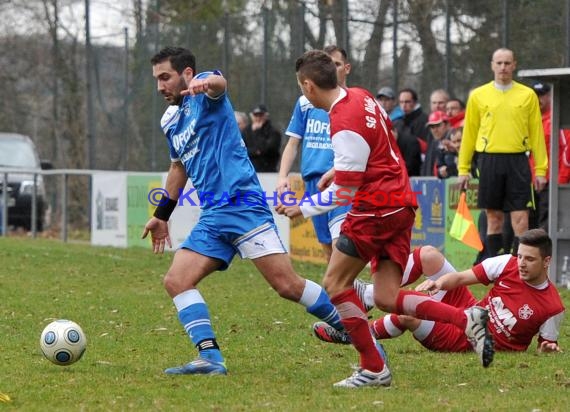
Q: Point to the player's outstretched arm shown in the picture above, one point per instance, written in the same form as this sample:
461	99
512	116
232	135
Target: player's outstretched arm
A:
448	282
213	85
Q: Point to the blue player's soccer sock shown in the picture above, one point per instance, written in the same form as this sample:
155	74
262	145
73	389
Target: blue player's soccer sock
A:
318	303
194	317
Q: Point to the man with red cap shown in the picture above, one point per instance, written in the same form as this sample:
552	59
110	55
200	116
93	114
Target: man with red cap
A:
438	124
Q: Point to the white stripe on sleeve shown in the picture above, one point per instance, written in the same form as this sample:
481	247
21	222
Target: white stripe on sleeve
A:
351	151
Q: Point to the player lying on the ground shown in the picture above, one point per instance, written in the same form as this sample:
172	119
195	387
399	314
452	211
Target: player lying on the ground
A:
522	302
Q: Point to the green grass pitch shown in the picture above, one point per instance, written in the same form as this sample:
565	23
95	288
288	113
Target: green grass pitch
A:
274	363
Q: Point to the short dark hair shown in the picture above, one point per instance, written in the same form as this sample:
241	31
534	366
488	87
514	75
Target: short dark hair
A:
455	130
330	49
461	103
316	65
411	91
537	238
179	57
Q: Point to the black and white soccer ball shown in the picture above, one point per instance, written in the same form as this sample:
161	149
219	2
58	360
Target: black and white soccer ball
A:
63	342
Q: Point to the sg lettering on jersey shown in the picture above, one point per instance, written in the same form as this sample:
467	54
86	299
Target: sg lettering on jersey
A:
370	107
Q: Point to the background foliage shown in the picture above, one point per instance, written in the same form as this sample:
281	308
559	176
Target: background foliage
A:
94	105
255	42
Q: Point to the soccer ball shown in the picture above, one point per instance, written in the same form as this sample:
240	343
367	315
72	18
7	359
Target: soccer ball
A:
63	342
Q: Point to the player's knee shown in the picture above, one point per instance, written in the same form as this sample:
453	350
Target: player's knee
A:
174	285
385	302
428	252
431	259
334	285
287	292
328	284
167	280
288	287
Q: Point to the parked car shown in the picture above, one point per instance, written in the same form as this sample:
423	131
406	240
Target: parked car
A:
19	152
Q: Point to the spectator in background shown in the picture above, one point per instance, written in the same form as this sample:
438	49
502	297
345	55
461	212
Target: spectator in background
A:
437	100
439	128
242	121
502	123
446	162
542	90
409	148
387	99
263	141
455	110
414	120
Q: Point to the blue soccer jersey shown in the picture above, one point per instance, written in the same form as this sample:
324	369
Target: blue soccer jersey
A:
203	134
312	126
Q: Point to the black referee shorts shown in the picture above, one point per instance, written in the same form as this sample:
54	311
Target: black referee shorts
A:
505	181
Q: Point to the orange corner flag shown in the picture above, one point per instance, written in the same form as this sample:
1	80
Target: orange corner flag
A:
463	228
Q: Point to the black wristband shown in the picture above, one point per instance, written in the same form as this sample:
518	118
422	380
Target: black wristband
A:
165	208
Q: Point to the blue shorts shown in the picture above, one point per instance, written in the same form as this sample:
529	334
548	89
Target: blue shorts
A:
327	225
245	229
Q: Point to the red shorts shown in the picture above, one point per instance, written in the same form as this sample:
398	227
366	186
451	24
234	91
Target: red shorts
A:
381	238
409	276
446	337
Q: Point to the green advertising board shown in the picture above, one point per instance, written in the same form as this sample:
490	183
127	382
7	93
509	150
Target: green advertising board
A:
139	209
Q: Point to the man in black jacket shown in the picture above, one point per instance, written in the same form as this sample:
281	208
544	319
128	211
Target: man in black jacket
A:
412	131
415	119
263	141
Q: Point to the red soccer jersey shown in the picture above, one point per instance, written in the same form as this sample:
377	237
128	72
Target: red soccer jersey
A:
366	154
517	310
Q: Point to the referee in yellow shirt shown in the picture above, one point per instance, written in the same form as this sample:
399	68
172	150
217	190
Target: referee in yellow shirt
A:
502	124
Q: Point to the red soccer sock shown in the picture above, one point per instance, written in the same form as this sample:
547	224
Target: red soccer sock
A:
423	307
354	319
387	327
417	270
